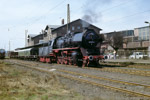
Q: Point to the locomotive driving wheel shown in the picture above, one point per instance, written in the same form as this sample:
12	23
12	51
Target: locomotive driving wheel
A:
77	59
79	63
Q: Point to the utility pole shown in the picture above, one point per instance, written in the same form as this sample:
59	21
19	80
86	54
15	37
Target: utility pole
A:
149	38
9	45
149	30
9	49
68	17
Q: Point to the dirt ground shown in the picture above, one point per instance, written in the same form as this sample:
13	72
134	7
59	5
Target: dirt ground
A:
25	84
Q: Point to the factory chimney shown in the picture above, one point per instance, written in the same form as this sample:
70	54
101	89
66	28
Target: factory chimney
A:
68	13
68	17
26	42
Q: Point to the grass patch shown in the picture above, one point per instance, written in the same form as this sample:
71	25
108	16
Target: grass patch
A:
24	84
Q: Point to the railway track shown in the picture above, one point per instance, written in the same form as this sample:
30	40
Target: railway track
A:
127	71
127	66
103	78
92	76
139	66
117	70
95	83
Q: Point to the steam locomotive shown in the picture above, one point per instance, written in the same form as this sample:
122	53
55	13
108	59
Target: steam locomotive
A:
2	53
79	48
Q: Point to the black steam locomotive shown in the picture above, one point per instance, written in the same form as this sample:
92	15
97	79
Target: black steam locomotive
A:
79	48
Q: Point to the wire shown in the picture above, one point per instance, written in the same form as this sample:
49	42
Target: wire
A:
130	26
41	4
108	8
129	15
39	18
116	6
47	12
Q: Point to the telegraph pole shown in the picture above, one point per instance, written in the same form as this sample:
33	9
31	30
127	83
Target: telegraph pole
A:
9	49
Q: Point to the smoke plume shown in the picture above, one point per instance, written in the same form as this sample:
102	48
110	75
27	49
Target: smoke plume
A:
90	10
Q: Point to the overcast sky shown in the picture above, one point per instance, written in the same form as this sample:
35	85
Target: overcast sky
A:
16	16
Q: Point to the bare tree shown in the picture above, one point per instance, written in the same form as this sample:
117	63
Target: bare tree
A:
115	41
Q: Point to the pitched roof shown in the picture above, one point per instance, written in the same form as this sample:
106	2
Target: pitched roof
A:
52	26
83	21
142	27
55	27
32	35
48	26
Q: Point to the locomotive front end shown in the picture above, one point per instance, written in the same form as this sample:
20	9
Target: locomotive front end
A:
91	42
90	39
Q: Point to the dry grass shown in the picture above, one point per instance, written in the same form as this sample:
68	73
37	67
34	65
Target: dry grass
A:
17	84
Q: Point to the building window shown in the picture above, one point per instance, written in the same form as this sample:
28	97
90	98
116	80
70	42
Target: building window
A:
144	38
78	27
147	37
140	30
148	29
73	28
144	33
147	33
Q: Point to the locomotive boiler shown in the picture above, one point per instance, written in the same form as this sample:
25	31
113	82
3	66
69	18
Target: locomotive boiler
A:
87	39
82	47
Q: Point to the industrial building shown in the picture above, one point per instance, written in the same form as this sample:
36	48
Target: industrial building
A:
52	31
